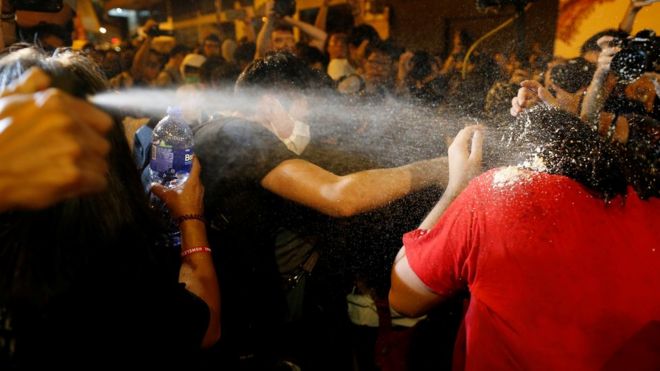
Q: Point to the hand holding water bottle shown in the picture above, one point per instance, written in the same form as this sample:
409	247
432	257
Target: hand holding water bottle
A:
188	199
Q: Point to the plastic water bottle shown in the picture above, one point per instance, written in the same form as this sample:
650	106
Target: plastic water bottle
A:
171	161
171	150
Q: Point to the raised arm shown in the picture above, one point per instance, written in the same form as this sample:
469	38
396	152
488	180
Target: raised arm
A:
263	39
408	294
322	17
343	196
318	35
197	270
602	83
142	55
631	13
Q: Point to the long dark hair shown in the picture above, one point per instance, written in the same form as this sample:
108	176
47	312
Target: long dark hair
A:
43	253
568	146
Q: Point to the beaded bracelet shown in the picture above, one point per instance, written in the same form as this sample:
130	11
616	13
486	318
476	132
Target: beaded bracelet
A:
193	250
185	217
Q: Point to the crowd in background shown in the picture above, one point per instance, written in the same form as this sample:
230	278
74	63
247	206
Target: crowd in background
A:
303	218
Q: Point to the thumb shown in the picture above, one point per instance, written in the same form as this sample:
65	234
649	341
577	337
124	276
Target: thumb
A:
158	190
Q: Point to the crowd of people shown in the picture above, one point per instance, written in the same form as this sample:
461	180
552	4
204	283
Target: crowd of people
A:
291	219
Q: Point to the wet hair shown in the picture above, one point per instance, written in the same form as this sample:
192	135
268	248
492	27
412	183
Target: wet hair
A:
361	33
571	148
573	75
592	43
282	71
79	236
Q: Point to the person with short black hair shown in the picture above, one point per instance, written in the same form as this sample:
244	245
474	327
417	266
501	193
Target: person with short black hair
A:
211	46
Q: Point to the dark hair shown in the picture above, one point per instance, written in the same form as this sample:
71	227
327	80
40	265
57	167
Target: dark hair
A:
466	38
383	47
422	65
310	54
77	236
592	43
571	148
178	50
245	52
573	75
212	37
282	27
282	71
362	32
217	72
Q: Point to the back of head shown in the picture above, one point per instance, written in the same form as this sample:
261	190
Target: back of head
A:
77	231
217	72
282	72
361	33
244	52
557	142
573	75
422	65
591	45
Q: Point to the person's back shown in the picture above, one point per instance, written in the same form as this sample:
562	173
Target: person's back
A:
558	278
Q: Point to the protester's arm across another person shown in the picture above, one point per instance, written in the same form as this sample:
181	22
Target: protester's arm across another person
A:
53	145
342	196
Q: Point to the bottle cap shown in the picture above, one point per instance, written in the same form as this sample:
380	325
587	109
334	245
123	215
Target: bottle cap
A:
174	111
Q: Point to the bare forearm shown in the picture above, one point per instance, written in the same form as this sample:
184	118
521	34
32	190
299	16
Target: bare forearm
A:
367	190
198	273
432	219
140	59
322	17
596	95
263	39
315	33
629	18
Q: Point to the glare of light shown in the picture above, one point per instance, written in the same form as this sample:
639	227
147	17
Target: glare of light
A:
120	10
102	30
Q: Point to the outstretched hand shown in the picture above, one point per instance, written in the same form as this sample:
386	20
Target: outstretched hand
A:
465	157
187	198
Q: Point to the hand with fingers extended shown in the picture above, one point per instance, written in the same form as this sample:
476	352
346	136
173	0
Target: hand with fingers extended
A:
465	157
53	145
186	199
531	93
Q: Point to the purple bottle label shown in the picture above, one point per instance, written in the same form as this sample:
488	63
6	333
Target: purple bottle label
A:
166	160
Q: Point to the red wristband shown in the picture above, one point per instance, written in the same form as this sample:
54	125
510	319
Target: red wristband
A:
193	250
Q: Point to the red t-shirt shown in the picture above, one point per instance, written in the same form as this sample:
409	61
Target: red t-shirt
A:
559	280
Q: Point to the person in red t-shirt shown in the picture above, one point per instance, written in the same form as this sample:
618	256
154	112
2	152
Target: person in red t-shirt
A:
562	264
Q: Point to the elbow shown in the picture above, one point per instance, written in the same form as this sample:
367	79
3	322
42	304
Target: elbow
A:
404	308
211	337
